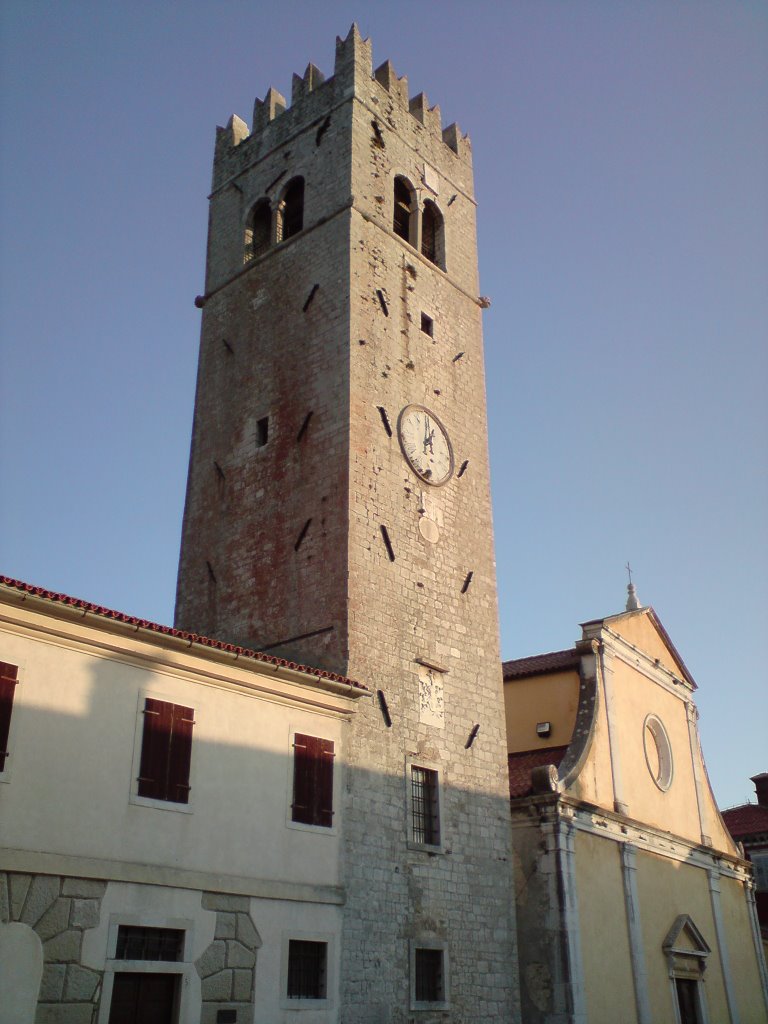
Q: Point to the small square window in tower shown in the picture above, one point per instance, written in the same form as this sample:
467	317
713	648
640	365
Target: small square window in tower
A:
307	962
427	325
425	805
262	431
312	781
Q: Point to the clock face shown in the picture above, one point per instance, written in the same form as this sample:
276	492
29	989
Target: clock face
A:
425	444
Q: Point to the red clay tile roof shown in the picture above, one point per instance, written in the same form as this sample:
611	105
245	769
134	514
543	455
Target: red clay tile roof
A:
746	820
192	638
553	662
522	763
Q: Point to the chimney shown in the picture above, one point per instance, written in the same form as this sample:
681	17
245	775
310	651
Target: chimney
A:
761	788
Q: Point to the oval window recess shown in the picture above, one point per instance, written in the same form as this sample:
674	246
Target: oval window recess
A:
658	752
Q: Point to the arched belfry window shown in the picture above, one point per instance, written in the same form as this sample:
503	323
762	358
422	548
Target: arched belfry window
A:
258	229
432	234
403	223
290	212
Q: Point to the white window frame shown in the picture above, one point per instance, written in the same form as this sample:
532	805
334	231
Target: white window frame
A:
413	761
329	940
429	943
138	737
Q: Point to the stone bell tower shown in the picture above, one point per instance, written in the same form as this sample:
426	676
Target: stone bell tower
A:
338	508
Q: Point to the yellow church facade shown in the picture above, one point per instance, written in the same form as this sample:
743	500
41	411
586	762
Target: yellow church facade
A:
620	851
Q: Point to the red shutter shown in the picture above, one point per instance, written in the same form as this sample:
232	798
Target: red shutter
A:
180	755
303	759
312	780
8	680
166	751
324	807
155	744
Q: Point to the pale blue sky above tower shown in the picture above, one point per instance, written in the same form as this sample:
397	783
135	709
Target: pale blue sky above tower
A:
621	162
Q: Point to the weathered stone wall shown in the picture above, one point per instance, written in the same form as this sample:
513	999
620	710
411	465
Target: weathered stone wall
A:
59	910
417	607
227	966
346	350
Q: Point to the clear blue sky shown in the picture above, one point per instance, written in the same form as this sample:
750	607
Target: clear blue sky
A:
621	164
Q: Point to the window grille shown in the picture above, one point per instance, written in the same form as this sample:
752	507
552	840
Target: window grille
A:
136	943
429	976
306	969
424	798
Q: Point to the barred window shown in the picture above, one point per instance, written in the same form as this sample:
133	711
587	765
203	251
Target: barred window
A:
429	976
307	962
137	943
425	806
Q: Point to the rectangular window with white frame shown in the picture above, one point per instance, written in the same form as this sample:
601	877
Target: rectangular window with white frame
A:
307	971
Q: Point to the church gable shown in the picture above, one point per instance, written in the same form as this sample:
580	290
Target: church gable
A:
643	629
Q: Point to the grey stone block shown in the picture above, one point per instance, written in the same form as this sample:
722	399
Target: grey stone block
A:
217	987
81	983
85	913
54	920
212	960
64	1013
42	892
223	901
239	956
52	983
63	948
246	932
88	888
241	989
19	887
225	925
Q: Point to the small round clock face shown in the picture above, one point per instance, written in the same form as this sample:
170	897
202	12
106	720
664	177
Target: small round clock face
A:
425	444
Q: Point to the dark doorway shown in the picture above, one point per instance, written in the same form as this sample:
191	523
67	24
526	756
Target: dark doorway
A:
144	999
688	1000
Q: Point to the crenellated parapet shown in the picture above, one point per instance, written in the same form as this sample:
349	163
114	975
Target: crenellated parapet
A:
313	95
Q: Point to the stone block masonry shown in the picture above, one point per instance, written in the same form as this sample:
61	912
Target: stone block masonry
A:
323	545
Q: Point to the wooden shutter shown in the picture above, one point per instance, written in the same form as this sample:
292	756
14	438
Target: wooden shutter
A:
166	751
180	754
312	780
303	758
155	745
324	806
8	680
